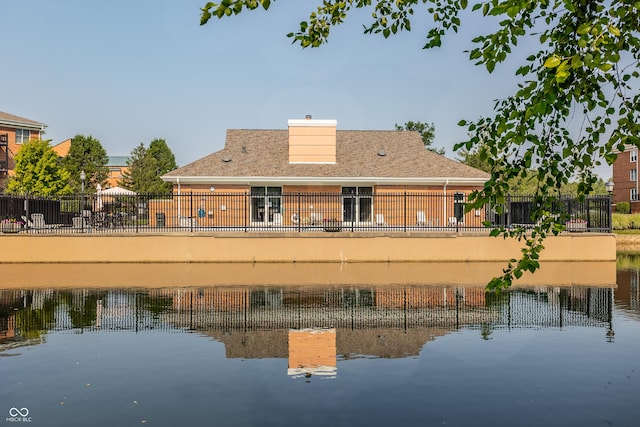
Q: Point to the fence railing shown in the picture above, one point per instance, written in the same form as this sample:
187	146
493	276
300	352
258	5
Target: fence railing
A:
286	212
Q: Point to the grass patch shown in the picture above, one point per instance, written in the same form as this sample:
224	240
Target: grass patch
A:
625	222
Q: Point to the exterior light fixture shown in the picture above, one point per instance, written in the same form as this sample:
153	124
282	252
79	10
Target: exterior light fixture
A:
609	186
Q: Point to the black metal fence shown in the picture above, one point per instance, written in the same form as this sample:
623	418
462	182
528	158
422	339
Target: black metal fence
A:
287	212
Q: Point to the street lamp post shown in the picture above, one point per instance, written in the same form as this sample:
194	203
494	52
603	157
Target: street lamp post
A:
609	186
83	176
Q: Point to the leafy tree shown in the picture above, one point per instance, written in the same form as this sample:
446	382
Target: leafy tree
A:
141	174
38	172
427	132
526	183
86	154
577	100
474	159
159	150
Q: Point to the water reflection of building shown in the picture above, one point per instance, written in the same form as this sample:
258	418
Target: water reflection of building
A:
628	292
393	321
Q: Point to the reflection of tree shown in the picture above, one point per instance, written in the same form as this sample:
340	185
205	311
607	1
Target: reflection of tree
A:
155	305
496	299
82	308
34	322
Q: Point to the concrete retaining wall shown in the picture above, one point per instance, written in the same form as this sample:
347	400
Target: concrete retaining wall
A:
287	248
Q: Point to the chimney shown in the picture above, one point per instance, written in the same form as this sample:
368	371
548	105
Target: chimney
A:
312	141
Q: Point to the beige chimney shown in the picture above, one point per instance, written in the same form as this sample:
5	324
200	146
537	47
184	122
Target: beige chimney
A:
312	141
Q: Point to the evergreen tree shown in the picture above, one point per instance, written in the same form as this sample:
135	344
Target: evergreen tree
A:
159	150
141	174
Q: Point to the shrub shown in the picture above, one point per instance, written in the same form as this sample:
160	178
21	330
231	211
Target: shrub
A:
623	207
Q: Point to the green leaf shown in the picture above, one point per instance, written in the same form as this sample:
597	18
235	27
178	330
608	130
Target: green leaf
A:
552	62
605	67
615	31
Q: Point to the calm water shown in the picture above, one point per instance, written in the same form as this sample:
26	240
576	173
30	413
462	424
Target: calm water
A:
397	355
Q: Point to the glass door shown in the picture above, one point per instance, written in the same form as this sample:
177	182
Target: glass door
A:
357	204
266	204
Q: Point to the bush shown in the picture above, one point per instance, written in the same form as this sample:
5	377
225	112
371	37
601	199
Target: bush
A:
623	207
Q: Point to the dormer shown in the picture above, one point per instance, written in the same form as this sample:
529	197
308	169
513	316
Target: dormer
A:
312	141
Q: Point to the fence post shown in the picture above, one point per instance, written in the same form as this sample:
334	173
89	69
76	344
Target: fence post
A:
404	208
610	201
26	209
299	216
191	211
353	210
136	207
246	212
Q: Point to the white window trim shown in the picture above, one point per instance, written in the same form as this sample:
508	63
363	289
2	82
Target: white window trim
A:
22	132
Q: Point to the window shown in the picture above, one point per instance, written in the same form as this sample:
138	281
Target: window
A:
22	136
633	155
633	175
633	194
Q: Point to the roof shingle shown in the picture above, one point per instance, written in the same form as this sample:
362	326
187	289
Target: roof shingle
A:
11	118
264	153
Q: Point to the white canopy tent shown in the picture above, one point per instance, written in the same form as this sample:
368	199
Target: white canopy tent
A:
118	191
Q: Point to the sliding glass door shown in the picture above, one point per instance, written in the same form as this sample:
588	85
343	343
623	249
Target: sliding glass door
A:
357	204
266	205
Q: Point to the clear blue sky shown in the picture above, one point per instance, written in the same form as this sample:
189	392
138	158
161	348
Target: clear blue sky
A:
127	72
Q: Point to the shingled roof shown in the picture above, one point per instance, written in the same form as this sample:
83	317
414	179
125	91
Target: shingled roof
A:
375	156
12	120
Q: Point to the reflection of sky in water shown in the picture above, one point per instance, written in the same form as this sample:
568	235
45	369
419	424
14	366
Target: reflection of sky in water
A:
404	356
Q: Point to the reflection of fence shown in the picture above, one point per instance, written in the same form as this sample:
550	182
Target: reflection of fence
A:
296	212
244	309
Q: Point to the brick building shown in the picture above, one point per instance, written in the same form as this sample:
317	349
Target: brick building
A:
311	157
625	178
15	131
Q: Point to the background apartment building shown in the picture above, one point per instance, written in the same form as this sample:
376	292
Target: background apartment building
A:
625	178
